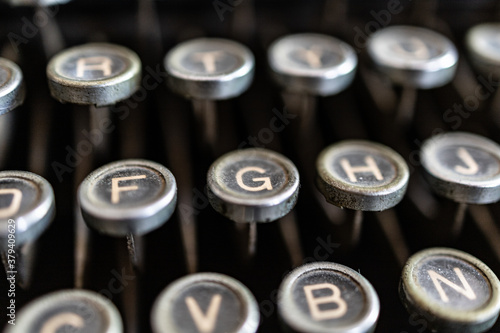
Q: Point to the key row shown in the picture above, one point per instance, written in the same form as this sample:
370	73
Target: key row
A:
213	69
134	197
450	289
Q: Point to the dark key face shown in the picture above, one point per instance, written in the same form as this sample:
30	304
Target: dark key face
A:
453	290
327	297
205	302
79	311
28	200
453	283
93	65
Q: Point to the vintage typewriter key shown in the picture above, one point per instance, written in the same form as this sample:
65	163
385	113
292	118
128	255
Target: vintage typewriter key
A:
27	207
463	167
208	69
251	186
12	91
451	290
127	198
34	3
483	44
327	297
312	63
68	311
414	58
94	74
205	302
362	176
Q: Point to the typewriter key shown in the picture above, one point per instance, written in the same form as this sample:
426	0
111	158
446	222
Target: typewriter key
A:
94	74
463	167
312	63
27	207
69	311
483	43
209	69
253	185
327	297
27	200
128	198
12	90
362	175
365	176
451	290
205	302
415	58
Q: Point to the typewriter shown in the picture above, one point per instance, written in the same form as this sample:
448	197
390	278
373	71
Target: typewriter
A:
340	173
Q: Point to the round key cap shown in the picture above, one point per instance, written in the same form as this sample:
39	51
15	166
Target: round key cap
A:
129	196
209	68
483	43
205	302
253	185
412	56
362	175
94	74
79	311
451	290
312	63
327	297
463	167
26	203
12	91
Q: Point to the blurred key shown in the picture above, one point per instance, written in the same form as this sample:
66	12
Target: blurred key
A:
414	58
327	297
205	302
483	44
68	311
450	290
209	69
312	63
94	74
33	3
12	90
